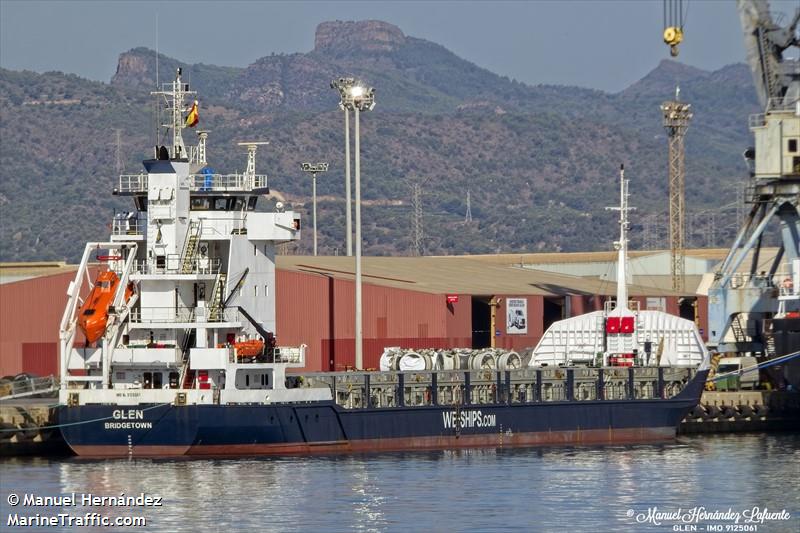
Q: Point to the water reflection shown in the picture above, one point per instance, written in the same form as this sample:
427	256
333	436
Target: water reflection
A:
589	489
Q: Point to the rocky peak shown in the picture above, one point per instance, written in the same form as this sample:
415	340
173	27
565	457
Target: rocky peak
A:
363	35
134	68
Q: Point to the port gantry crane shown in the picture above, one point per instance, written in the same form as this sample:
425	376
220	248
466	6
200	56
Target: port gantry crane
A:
746	305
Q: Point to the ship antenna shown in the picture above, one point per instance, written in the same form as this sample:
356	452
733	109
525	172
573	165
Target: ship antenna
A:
158	107
622	244
174	99
156	50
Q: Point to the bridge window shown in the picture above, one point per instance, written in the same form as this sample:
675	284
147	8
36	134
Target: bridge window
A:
792	146
201	204
223	204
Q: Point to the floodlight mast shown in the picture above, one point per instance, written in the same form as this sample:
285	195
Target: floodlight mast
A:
343	85
359	98
314	169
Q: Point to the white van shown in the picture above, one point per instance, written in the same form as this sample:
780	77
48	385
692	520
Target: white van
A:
740	380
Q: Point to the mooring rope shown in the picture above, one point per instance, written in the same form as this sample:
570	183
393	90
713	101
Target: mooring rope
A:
765	364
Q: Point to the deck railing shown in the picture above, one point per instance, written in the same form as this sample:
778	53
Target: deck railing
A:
228	182
172	315
133	183
137	183
28	386
280	354
172	265
128	225
459	388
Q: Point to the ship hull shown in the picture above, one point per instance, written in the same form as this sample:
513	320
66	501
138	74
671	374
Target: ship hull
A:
786	334
324	427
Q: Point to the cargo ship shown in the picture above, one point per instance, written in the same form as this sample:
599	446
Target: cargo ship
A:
180	356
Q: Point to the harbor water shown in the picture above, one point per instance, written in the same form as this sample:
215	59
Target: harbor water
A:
669	487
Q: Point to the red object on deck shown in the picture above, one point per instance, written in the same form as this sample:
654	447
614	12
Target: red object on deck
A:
202	379
620	324
622	360
627	325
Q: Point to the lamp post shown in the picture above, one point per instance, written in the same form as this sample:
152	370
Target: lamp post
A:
314	170
358	98
343	85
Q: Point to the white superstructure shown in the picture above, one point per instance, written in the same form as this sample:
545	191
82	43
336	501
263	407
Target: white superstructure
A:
193	314
621	334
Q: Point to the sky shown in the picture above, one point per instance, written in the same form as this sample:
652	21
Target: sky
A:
599	44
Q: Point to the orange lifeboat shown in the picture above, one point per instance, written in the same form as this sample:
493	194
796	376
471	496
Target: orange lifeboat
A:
249	348
93	314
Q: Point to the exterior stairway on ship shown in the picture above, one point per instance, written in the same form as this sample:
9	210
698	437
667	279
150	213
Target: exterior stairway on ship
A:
190	249
215	304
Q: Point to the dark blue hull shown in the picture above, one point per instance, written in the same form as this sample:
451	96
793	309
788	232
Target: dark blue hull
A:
164	430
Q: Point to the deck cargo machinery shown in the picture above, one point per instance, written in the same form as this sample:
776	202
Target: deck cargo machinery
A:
622	335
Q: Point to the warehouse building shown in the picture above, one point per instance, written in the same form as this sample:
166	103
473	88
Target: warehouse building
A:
433	302
506	301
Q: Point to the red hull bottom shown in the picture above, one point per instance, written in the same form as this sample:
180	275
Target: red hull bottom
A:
494	440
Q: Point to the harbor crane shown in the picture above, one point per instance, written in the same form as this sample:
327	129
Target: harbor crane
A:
757	309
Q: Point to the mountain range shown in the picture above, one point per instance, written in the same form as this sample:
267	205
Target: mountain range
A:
540	162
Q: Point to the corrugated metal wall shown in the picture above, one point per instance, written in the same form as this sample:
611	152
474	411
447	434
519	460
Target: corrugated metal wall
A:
30	314
303	313
40	358
579	304
458	320
535	325
311	308
319	311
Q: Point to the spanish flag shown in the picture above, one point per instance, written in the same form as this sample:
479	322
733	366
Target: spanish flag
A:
192	118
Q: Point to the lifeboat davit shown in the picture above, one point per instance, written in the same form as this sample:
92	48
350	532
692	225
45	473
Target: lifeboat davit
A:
93	315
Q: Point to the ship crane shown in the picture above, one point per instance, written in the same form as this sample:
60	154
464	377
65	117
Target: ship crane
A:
751	308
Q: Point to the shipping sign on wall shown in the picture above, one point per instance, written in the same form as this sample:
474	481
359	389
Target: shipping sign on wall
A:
517	316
